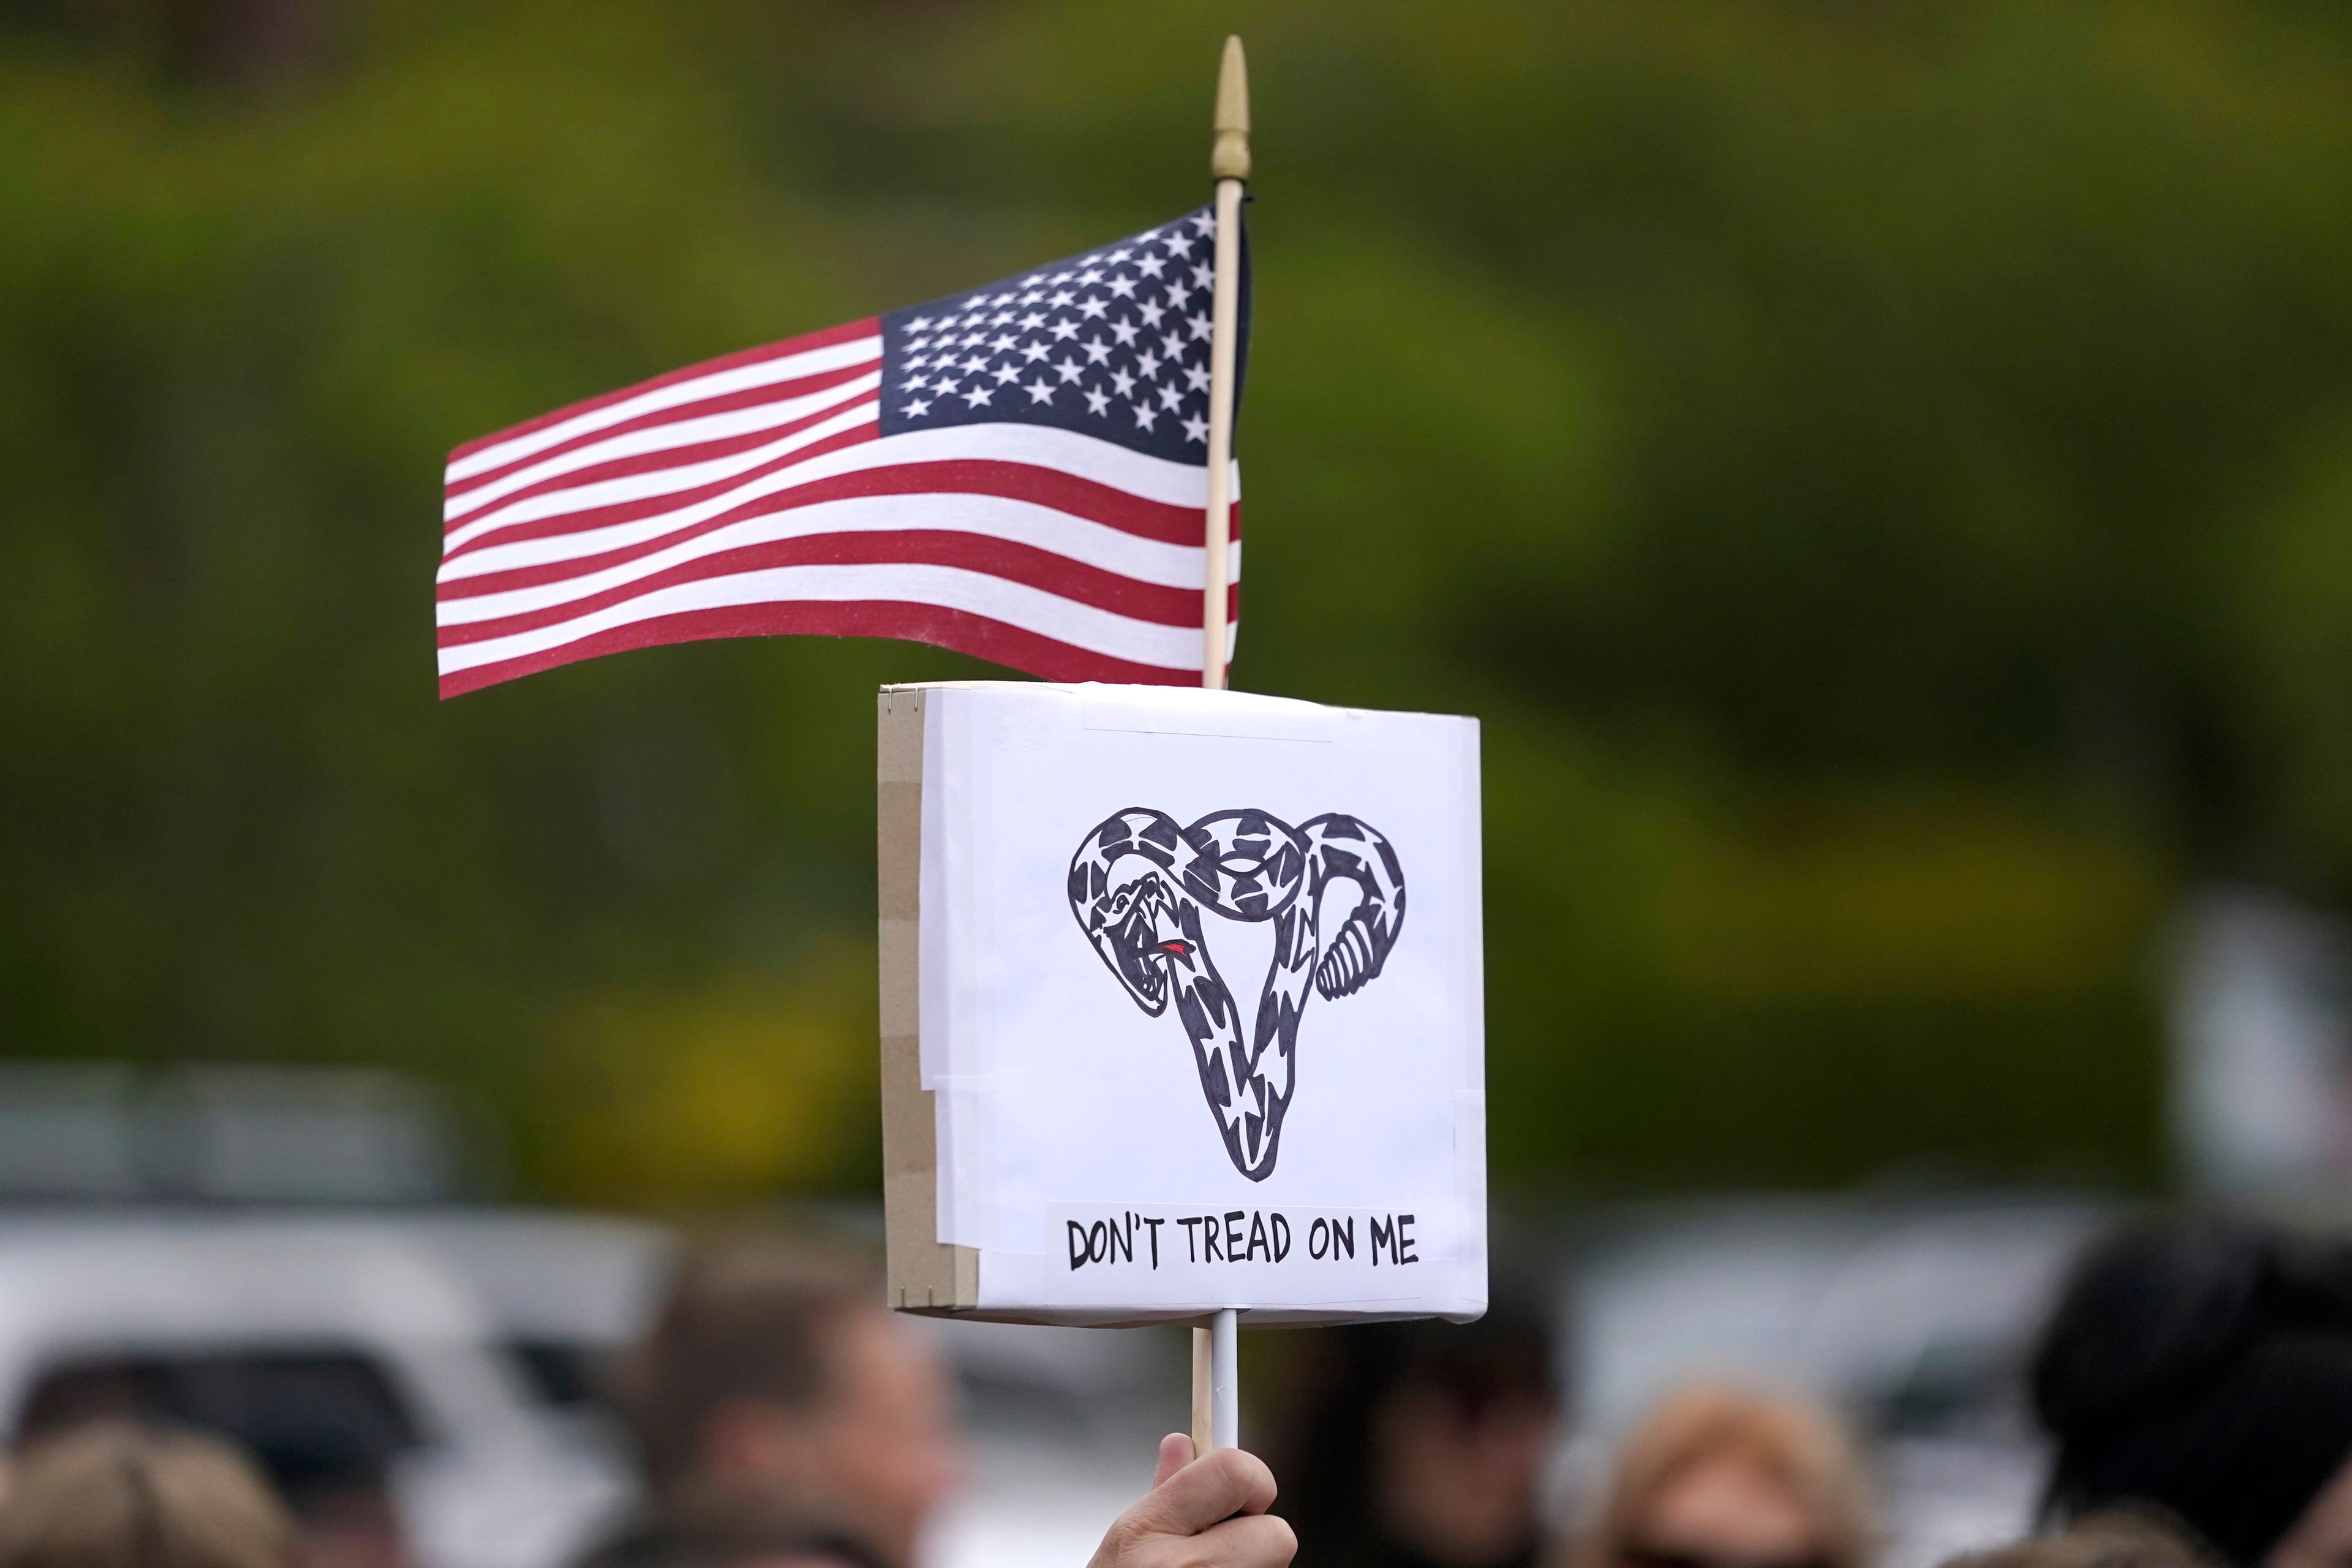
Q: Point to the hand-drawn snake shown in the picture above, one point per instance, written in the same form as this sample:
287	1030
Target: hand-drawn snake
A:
1247	864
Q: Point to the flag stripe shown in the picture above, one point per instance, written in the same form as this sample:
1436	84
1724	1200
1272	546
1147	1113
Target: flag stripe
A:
938	624
1146	496
1052	511
795	357
669	484
1081	625
735	450
713	419
505	615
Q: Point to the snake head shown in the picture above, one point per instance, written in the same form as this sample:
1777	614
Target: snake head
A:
1140	931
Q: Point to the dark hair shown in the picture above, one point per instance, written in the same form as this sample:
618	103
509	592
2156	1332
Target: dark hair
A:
1343	1376
765	1529
2111	1540
2201	1367
745	1319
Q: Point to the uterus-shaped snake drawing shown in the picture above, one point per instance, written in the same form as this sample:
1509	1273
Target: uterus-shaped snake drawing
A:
1138	884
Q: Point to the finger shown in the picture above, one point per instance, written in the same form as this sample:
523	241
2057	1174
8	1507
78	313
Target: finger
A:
1175	1453
1258	1541
1227	1482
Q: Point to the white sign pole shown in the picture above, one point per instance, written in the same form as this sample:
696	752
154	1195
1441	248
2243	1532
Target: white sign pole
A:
1216	1405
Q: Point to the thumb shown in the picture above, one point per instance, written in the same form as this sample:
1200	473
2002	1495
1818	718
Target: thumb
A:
1205	1492
1175	1453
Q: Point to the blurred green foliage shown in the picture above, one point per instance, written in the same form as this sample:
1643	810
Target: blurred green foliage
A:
1882	473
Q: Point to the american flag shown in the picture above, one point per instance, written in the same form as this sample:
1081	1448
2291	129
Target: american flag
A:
1019	472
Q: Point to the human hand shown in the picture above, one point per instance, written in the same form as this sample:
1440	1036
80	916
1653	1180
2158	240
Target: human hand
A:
1201	1513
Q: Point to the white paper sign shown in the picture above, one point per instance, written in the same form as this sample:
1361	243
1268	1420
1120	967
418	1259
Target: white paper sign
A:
1199	972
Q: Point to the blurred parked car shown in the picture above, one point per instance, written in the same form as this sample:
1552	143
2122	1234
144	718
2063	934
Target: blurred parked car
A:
357	1365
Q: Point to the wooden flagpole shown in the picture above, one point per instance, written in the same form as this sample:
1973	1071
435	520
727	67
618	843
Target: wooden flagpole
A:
1216	1362
1230	162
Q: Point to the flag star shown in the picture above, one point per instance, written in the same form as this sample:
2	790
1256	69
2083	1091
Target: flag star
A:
1031	296
975	394
1032	352
915	408
1170	398
1091	275
1005	372
975	303
919	324
1124	330
1097	402
1061	277
1178	291
1039	391
1032	321
1092	310
914	383
1001	342
1005	299
1122	383
1151	266
975	361
1061	298
1122	287
1196	428
1205	222
1068	371
1196	378
1151	311
1202	277
1000	319
1120	255
1144	415
1174	344
1097	351
1148	363
1199	322
1064	330
972	339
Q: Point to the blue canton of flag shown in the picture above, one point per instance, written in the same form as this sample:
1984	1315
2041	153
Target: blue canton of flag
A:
1113	344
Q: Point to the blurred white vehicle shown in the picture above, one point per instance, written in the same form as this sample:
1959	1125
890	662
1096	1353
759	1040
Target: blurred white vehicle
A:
361	1369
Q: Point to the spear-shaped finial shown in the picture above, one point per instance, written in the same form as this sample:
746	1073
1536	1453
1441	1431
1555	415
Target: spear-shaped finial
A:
1231	158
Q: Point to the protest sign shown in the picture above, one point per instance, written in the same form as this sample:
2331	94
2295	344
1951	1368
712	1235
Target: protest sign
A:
1181	1001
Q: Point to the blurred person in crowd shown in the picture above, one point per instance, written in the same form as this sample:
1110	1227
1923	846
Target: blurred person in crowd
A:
789	1420
1725	1476
328	1456
114	1495
2111	1540
1424	1445
778	1403
2203	1368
